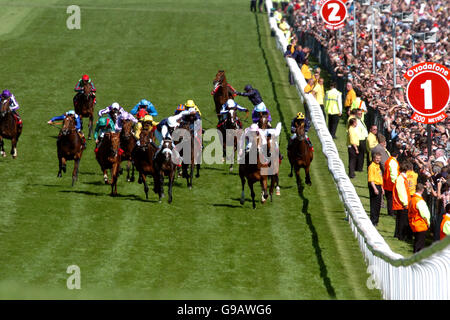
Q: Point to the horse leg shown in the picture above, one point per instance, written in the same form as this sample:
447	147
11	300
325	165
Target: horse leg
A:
191	176
171	176
272	184
242	201
13	147
277	182
143	179
128	170
132	172
198	170
114	178
307	176
2	143
60	168
252	192
75	171
299	180
63	164
290	174
264	194
91	122
161	187
105	176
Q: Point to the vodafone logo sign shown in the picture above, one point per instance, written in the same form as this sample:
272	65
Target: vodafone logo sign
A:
428	91
333	13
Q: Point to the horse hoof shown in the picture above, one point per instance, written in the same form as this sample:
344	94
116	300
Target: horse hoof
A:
131	179
197	176
3	154
278	192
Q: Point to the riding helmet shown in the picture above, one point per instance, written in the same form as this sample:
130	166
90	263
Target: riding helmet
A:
6	94
248	88
300	116
85	77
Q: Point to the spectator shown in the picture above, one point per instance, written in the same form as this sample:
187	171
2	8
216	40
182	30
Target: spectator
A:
390	175
352	144
319	94
253	5
333	107
305	70
400	203
381	149
375	180
411	177
349	98
362	135
445	224
371	142
309	86
419	218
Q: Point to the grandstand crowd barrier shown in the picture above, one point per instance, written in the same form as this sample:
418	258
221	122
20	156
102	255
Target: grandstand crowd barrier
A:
424	275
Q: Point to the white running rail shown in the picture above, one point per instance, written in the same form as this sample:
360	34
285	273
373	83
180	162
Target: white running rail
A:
425	275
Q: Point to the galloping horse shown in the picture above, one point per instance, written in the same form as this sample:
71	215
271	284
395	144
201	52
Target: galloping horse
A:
69	147
300	156
222	91
143	160
254	173
9	129
274	178
127	144
109	157
164	166
188	125
84	105
231	124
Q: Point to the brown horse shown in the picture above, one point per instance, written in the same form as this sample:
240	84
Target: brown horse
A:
195	146
127	144
165	167
69	147
109	157
222	91
263	124
143	160
9	128
253	172
230	125
83	103
300	156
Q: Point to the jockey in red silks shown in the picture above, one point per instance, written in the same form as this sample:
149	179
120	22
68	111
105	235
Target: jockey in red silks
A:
80	84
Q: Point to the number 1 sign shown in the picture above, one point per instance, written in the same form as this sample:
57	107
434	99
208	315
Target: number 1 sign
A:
428	91
333	13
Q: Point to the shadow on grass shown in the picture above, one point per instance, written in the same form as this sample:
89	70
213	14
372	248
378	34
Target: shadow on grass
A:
226	205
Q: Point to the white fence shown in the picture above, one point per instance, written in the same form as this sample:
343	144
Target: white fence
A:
425	275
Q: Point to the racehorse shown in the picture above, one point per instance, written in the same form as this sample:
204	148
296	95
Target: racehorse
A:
222	91
164	166
83	103
108	154
263	124
69	147
300	156
9	128
127	144
143	160
188	168
231	124
254	172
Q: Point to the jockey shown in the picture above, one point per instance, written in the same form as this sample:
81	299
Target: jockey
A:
259	110
104	125
78	123
80	84
226	107
192	108
13	105
252	94
244	139
124	116
145	105
115	111
300	117
164	130
145	123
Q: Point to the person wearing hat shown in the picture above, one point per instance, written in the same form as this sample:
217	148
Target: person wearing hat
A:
180	108
146	105
146	123
114	111
246	144
191	104
298	119
230	105
255	98
78	124
103	125
79	87
333	107
13	105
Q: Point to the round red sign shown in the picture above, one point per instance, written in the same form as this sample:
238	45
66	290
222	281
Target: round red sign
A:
428	91
333	13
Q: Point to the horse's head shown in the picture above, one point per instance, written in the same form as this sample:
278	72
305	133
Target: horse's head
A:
115	142
300	130
127	129
263	122
4	109
113	114
87	88
232	119
166	149
68	124
220	79
144	140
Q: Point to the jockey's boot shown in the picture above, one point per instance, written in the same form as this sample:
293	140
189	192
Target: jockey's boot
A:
310	144
17	118
83	139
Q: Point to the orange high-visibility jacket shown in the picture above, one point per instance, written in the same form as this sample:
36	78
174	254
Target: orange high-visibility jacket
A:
445	222
391	172
416	220
400	193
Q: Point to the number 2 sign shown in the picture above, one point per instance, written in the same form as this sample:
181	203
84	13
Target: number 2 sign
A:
428	91
333	13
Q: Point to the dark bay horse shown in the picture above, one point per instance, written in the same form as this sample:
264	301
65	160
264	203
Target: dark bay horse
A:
69	147
222	91
165	167
300	156
143	160
252	172
127	144
109	157
9	128
231	125
83	103
272	147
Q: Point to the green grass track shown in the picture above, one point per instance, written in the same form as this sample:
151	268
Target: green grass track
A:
204	245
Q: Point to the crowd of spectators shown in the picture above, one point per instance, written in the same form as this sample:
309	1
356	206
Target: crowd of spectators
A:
301	23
